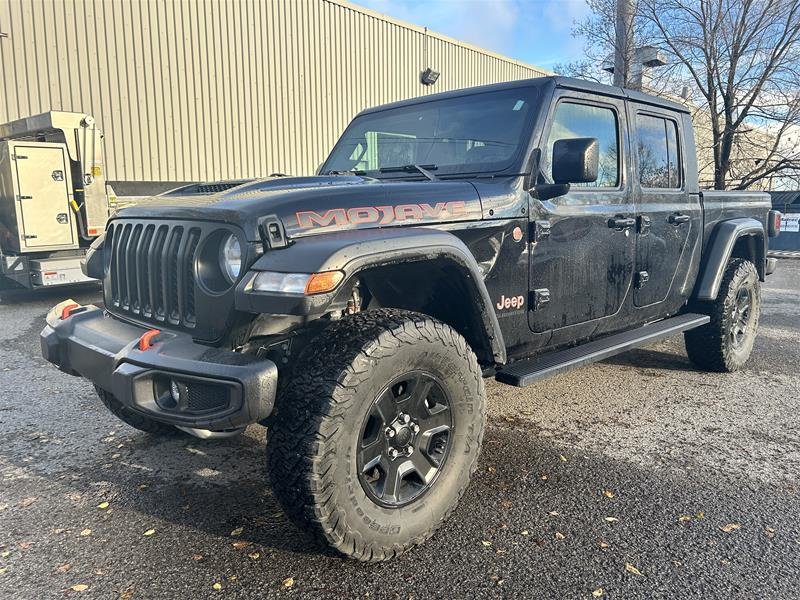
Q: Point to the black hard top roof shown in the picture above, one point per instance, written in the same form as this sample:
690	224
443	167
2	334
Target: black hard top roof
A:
556	80
785	198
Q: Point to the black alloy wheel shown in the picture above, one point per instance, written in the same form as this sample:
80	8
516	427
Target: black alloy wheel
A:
741	317
405	439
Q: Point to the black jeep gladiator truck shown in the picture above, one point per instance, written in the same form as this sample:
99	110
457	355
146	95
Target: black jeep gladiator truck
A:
511	231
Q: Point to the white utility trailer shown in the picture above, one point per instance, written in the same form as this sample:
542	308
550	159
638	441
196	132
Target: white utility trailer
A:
53	200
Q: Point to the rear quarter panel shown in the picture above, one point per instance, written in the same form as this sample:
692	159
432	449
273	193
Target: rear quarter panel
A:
723	205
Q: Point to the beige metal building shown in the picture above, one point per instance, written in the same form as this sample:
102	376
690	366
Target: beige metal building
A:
220	89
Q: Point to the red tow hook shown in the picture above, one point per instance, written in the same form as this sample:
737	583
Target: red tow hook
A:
66	311
146	341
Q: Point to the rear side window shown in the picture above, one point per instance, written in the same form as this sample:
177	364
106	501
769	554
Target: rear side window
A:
657	152
573	120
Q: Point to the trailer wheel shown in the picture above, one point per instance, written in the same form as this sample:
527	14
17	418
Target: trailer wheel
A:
725	344
377	432
132	418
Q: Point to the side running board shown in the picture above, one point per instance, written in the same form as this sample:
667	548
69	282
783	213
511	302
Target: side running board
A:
526	372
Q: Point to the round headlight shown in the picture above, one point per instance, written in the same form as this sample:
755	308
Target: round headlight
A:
230	258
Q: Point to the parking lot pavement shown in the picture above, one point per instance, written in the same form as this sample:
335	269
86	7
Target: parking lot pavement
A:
634	477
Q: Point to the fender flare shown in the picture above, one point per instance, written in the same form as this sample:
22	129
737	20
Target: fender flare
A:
723	239
355	251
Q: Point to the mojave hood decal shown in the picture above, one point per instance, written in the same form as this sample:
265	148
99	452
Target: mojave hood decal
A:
382	215
313	205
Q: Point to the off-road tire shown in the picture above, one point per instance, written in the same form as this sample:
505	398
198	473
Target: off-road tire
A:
711	347
312	444
135	420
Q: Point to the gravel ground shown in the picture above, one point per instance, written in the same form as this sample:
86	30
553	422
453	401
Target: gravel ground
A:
637	476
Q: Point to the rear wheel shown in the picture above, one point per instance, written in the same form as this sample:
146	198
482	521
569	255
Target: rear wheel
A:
132	418
377	433
726	342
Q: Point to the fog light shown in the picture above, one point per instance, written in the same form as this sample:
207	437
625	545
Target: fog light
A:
175	391
168	394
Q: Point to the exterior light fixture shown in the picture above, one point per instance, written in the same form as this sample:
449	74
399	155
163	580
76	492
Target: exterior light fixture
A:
429	76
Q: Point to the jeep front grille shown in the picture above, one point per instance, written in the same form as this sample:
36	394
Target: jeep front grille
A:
152	271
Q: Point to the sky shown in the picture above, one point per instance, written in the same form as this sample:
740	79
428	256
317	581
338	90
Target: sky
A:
533	31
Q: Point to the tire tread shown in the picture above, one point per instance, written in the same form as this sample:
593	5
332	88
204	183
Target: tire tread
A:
312	407
707	346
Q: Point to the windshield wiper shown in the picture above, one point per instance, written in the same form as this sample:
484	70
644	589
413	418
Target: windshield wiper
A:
410	168
335	172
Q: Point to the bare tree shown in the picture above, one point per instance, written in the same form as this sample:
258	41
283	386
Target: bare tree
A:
599	31
740	59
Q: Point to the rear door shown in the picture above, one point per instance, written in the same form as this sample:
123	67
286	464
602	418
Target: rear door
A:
43	196
582	256
669	218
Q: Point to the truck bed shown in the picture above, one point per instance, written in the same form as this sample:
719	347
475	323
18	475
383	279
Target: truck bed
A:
719	205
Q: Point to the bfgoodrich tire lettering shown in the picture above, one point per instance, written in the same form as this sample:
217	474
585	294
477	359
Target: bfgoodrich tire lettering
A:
726	342
313	443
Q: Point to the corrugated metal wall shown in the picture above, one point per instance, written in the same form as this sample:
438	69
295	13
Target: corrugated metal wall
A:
208	89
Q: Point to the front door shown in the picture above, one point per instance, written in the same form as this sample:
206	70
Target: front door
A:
581	259
669	218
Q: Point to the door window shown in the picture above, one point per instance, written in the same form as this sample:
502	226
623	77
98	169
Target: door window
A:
657	152
573	120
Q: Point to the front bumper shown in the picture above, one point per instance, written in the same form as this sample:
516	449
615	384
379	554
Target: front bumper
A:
218	389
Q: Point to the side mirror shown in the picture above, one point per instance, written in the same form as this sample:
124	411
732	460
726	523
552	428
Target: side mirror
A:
575	160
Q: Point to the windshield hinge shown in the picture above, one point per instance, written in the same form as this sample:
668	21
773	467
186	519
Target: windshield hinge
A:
272	232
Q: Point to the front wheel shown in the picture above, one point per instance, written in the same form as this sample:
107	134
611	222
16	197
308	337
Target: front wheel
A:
377	433
726	342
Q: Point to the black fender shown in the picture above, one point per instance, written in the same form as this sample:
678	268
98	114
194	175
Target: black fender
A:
355	251
93	265
723	240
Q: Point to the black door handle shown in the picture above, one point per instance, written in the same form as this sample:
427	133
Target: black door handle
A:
620	223
678	218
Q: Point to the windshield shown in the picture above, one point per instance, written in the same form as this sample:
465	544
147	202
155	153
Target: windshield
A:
478	133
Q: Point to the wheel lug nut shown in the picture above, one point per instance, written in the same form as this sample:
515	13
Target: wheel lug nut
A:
392	453
409	451
406	419
389	432
415	428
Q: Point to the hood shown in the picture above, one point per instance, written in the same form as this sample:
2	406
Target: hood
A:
310	205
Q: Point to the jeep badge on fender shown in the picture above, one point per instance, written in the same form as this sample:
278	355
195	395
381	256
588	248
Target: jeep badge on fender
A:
512	302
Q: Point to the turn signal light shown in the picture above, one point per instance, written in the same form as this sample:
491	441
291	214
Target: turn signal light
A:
319	283
295	283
